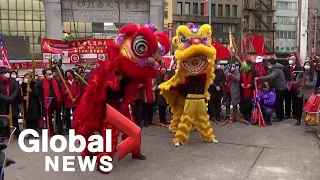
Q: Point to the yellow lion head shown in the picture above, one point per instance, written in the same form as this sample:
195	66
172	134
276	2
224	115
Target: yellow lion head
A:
195	51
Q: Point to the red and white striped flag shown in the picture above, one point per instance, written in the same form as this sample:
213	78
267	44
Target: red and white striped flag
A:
5	58
205	7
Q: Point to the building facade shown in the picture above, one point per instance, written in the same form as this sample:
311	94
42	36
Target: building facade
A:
258	18
23	24
313	28
226	17
287	27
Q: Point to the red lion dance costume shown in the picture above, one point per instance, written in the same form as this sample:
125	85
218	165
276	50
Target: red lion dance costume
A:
132	60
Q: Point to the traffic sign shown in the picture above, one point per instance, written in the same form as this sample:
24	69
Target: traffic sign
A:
75	58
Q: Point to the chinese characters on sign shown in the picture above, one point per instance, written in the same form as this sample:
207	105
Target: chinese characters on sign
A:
106	16
27	65
74	49
131	11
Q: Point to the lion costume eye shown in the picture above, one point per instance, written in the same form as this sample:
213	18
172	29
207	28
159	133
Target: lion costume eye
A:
139	45
207	38
182	39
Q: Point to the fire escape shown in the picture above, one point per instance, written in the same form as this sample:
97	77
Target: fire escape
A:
259	9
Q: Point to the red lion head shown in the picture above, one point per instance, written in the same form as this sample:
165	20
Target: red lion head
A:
137	49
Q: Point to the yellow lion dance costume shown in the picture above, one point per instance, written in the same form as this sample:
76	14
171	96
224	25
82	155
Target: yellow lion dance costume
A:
187	91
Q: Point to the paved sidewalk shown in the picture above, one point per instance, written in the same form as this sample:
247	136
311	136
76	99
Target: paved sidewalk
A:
279	152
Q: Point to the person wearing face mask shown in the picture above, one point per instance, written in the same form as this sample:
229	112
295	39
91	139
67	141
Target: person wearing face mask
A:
33	113
48	91
246	89
308	87
278	82
14	74
259	68
70	104
9	95
291	98
216	91
232	89
268	98
160	100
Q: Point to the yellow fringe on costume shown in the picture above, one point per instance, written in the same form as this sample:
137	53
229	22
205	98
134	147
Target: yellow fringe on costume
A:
312	118
190	114
175	119
195	112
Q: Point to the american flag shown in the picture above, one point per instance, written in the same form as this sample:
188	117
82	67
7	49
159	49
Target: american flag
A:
5	58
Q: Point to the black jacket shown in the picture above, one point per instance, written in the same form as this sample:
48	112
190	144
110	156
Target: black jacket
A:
286	71
38	91
34	110
14	99
160	100
219	81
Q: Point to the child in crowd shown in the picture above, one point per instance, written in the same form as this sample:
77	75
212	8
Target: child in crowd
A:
268	98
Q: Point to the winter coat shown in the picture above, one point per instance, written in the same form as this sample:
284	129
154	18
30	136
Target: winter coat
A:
34	109
246	103
219	81
14	98
76	91
38	90
277	78
295	75
149	92
309	86
318	81
235	87
160	100
268	98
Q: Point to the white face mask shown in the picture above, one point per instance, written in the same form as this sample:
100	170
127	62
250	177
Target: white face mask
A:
14	76
7	75
50	77
218	66
307	67
291	62
25	80
269	67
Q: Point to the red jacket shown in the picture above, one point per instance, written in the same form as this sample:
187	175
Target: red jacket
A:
149	94
75	89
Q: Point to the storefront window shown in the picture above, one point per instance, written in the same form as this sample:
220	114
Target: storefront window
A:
22	27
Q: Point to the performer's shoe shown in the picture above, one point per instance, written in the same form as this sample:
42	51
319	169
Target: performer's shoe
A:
214	141
139	156
177	144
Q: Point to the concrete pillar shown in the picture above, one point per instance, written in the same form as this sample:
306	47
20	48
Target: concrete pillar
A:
157	13
54	25
303	30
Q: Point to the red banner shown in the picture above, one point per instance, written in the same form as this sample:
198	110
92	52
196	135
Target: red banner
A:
166	61
27	65
74	52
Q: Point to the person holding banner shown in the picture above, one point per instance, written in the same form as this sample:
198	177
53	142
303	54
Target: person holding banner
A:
75	89
48	91
31	103
9	98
